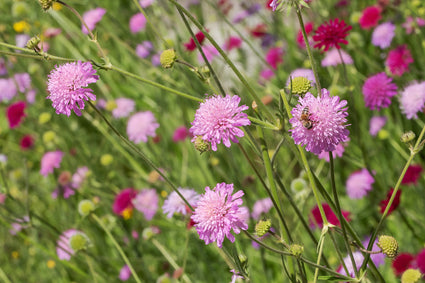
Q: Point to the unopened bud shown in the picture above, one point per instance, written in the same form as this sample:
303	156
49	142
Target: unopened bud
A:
46	4
296	250
388	245
85	207
79	241
262	227
167	58
408	137
300	85
33	42
201	145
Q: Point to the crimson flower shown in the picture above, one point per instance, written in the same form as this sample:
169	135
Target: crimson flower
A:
15	113
402	262
331	34
191	45
395	203
412	175
316	219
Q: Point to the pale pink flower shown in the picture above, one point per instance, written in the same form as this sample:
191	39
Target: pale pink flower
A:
175	204
137	23
260	207
332	58
140	126
124	107
376	123
49	161
146	201
91	18
359	184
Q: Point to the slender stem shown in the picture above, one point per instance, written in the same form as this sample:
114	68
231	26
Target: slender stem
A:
321	244
4	277
35	55
338	252
264	124
118	247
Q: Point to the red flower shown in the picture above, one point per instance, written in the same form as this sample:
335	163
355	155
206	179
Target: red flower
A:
330	215
27	142
412	175
123	201
331	34
398	60
274	56
260	30
308	30
232	42
370	17
420	261
395	203
402	262
15	113
191	45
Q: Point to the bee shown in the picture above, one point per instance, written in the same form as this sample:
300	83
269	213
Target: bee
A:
305	118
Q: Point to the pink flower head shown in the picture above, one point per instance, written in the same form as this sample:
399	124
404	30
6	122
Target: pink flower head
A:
309	27
79	177
232	43
403	262
67	86
15	114
8	89
124	107
332	58
410	24
331	34
383	35
137	23
218	119
266	74
146	201
23	80
327	118
359	184
412	100
140	126
63	249
146	3
376	123
52	32
123	201
378	90
210	52
180	134
261	206
174	204
338	152
420	261
144	49
191	45
217	213
412	175
398	60
49	161
317	221
91	18
383	204
27	142
274	56
125	273
370	17
358	259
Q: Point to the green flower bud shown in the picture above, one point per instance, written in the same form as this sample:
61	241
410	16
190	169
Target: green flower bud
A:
388	245
408	137
300	85
298	185
201	145
85	207
46	4
411	276
296	250
33	42
262	227
167	58
79	241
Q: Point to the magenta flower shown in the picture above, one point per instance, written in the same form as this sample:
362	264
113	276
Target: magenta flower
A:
180	134
140	126
331	34
49	161
376	123
67	86
398	60
370	17
91	18
125	273
137	23
217	213
338	152
27	142
327	117
412	175
8	89
266	74
359	184
274	56
410	24
412	100
332	58
218	119
210	53
383	35
146	201
15	114
174	204
378	90
260	207
63	249
124	107
144	49
309	27
233	42
123	201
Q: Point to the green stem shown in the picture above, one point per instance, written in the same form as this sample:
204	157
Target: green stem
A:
4	277
35	55
319	257
264	124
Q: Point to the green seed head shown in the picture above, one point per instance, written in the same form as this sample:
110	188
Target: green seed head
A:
296	250
79	241
46	4
388	245
300	85
167	58
411	276
262	227
85	207
201	145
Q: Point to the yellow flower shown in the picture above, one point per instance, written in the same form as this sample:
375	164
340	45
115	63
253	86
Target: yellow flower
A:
15	254
51	264
21	26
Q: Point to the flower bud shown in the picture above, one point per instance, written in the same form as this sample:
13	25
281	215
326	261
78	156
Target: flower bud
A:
167	58
408	137
262	227
201	145
296	250
299	85
106	159
79	241
44	118
411	276
46	4
388	245
85	207
33	42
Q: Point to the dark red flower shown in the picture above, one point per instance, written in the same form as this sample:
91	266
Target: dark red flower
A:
331	34
191	45
232	42
15	113
395	203
308	30
123	201
420	261
370	17
27	142
402	262
330	215
412	175
259	30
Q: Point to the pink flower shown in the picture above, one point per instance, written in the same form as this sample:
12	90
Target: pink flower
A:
145	3
143	50
23	81
326	116
309	27
383	35
180	134
266	74
317	220
137	23
398	60
146	201
359	184
378	90
412	100
52	32
232	43
332	58
79	177
8	89
67	86
420	261
261	206
125	273
410	25
124	107
377	259
209	51
331	34
140	126
412	175
27	142
218	119
218	213
274	56
376	123
123	201
63	249
338	152
358	259
91	18
15	114
49	161
370	17
174	203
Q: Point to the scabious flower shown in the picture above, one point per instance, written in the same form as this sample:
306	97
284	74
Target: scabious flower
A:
91	18
123	202
317	221
15	114
379	258
402	262
63	249
209	51
144	49
332	58
233	42
146	3
398	60
338	152
174	203
8	89
331	34
217	213
383	204
412	99
274	56
309	27
218	119
261	206
27	142
67	86
137	23
378	90
191	45
358	259
146	201
79	176
412	175
140	126
376	123
370	17
410	24
328	117
383	35
124	107
49	161
180	134
125	273
359	183
23	80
